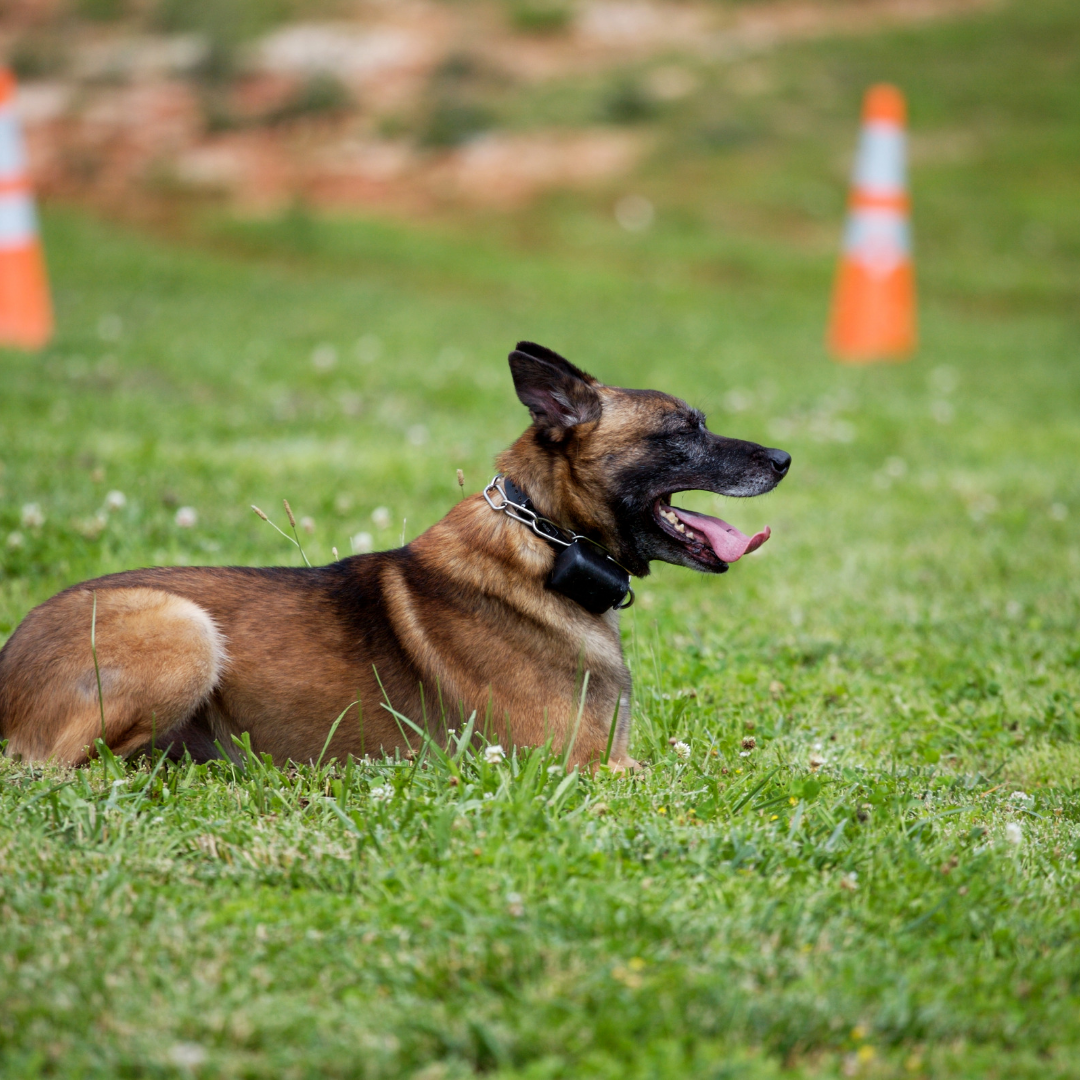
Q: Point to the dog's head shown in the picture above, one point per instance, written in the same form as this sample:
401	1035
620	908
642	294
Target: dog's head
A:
606	462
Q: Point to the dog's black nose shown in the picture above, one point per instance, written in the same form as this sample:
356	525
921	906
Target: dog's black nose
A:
779	460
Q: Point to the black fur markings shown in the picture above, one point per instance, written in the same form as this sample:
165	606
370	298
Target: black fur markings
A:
558	395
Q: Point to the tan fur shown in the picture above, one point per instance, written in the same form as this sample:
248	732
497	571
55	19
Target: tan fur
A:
158	657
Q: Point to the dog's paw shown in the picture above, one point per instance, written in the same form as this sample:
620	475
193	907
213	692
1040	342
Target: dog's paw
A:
625	766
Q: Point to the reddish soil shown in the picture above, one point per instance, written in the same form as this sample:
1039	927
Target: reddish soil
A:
128	117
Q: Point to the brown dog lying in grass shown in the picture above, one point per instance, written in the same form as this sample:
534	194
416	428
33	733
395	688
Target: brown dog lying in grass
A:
498	610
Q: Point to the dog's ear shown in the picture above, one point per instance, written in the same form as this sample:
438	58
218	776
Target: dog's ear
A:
558	395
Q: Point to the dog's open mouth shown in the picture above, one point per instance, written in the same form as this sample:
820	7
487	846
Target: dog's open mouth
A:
707	539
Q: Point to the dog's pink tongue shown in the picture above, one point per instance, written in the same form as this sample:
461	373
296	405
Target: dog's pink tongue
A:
728	543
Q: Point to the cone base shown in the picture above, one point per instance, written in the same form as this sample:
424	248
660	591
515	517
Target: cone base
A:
873	315
26	318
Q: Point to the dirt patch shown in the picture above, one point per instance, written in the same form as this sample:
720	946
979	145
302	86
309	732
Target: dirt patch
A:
384	109
506	170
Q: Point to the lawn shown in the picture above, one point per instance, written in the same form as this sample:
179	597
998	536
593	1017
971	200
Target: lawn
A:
865	864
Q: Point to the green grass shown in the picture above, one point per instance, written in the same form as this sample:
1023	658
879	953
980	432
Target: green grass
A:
912	622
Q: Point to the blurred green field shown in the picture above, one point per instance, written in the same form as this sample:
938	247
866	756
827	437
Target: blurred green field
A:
904	905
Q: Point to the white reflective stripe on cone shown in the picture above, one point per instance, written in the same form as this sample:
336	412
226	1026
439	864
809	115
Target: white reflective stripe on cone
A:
879	167
880	240
18	222
12	157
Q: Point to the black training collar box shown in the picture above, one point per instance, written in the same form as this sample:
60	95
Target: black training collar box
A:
588	577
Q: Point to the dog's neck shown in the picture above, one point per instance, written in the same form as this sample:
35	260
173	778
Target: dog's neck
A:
583	571
545	477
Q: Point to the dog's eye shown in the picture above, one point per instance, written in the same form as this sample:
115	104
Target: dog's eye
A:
684	423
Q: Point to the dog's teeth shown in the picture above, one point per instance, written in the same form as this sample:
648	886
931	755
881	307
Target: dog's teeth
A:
680	527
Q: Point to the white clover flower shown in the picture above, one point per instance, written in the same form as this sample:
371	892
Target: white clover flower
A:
554	770
32	517
682	750
324	357
634	213
15	540
115	500
816	761
307	524
187	1055
362	543
380	516
382	793
1014	833
1021	797
745	753
515	904
849	881
495	755
186	517
489	795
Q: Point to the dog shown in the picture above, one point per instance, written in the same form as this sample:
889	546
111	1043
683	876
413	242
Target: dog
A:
505	612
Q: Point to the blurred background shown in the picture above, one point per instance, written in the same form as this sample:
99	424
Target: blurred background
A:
418	105
724	114
291	244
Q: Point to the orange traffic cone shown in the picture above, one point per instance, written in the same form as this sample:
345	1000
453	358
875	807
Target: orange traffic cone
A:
26	317
873	312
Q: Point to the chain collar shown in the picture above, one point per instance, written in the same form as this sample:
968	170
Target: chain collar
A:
542	526
545	528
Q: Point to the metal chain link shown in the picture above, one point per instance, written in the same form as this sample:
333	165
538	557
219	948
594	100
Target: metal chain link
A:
527	516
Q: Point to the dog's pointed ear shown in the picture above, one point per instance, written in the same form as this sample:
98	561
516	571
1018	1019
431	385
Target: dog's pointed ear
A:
558	395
